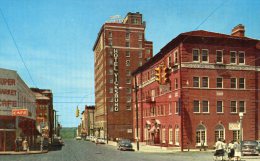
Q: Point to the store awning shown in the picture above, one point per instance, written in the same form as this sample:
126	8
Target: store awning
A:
157	122
148	122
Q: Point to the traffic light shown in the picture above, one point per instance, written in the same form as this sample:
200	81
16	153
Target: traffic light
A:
77	112
158	74
165	74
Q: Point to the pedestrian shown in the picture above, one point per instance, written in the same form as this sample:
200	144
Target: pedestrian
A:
231	151
237	149
25	145
219	148
17	144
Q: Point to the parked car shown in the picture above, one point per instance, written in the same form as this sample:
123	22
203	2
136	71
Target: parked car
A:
100	141
258	141
87	138
125	144
78	138
57	141
250	147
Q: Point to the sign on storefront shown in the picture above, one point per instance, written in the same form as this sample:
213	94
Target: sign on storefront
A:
20	112
234	126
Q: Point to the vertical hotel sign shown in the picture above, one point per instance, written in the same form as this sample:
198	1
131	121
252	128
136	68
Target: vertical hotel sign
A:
116	81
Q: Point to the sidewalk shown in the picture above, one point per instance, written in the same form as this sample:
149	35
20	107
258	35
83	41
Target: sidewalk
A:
22	152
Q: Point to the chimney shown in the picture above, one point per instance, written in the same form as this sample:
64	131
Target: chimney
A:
238	31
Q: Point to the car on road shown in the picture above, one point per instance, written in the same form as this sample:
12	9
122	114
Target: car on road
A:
100	141
125	144
250	147
78	138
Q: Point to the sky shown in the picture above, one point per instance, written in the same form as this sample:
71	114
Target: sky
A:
55	38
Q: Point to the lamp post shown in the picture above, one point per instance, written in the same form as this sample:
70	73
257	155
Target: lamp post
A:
241	114
136	105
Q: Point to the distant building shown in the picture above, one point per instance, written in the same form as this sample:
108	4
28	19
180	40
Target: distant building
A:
89	119
120	48
212	77
44	111
17	111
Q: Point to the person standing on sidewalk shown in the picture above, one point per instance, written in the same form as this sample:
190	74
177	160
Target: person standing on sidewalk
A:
25	145
237	149
17	144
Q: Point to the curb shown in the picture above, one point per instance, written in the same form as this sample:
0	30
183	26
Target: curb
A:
23	153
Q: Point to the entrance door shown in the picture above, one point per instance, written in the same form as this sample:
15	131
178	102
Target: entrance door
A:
2	139
7	140
157	137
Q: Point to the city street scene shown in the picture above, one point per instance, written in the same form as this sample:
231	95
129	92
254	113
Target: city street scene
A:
129	80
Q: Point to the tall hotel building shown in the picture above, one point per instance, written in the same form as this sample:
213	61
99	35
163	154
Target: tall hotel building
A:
120	48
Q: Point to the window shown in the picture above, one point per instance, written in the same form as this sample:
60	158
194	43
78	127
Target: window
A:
111	62
233	106
128	106
140	45
140	54
140	63
219	132
169	61
233	83
196	81
175	57
219	106
127	35
195	54
170	108
111	108
170	136
111	99
233	58
128	73
110	43
163	135
127	44
205	82
196	106
219	82
111	81
176	83
242	106
128	99
177	136
128	90
219	56
111	90
242	83
200	135
177	109
204	55
241	57
127	63
110	72
205	106
110	34
140	36
127	53
236	135
128	81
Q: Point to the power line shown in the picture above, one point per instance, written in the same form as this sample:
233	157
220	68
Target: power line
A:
16	46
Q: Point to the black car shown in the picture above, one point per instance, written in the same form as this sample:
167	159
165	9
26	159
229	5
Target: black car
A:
125	144
250	147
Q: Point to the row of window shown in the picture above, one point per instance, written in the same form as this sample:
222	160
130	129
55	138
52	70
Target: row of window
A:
127	35
204	82
203	56
160	110
203	106
127	43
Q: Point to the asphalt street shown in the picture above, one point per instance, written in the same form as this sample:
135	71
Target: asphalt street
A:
88	151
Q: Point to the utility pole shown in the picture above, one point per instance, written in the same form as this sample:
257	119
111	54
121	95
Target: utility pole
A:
136	105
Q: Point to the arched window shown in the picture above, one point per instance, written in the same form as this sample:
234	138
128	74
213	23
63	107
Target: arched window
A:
201	135
219	132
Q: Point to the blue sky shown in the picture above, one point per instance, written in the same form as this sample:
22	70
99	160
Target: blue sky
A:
55	37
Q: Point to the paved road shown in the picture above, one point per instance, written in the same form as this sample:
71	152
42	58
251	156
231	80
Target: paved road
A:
87	151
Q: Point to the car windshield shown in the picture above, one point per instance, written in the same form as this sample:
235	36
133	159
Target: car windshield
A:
249	143
125	141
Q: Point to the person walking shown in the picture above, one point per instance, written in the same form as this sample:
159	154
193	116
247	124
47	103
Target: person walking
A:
237	149
231	151
219	149
17	144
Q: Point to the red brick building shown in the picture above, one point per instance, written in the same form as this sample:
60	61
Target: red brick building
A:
44	111
212	77
120	48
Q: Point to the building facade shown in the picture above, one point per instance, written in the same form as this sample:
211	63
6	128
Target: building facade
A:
17	111
44	112
209	79
119	49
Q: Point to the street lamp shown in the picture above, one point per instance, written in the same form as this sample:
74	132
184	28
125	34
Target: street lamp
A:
241	114
136	105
